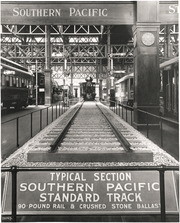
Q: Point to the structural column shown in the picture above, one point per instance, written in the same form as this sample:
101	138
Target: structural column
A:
100	79
146	63
97	81
168	49
108	61
97	72
47	70
72	76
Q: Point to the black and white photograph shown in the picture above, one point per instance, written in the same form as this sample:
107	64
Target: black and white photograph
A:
89	111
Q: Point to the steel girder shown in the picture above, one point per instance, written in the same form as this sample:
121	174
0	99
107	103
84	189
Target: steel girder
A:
79	71
34	34
78	44
26	44
79	51
60	51
69	30
168	42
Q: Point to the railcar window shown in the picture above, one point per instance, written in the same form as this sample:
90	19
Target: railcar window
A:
14	82
11	81
173	80
25	83
22	82
41	81
161	81
3	80
173	95
17	82
123	86
168	101
7	81
126	86
131	84
29	83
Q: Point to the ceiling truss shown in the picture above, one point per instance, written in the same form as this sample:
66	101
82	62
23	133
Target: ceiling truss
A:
69	30
168	41
79	44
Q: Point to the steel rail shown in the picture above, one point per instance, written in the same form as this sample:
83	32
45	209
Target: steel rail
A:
124	142
58	140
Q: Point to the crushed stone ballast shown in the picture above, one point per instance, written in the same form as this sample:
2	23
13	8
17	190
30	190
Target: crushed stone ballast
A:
89	133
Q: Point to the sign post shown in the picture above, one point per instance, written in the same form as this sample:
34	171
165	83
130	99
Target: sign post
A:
36	83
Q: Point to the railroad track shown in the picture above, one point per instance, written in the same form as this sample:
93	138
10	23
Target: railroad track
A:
90	134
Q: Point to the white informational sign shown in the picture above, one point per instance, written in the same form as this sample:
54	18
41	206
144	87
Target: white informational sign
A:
89	192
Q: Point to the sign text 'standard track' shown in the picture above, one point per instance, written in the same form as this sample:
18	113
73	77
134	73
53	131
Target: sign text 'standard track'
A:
71	192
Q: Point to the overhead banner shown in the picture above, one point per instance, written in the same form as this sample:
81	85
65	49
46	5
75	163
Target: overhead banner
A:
56	14
44	13
89	192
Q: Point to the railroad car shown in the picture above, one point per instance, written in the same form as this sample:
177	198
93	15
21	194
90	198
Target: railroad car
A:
169	75
124	90
87	89
40	88
169	88
58	92
15	83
